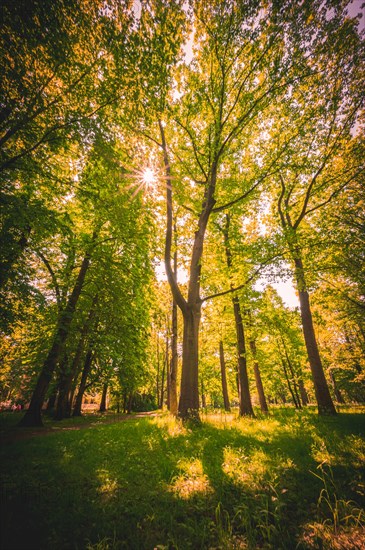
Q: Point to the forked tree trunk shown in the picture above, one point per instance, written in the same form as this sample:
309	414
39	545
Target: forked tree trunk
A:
323	396
188	408
227	405
67	374
33	415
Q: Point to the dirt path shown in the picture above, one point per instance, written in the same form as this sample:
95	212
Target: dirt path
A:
10	435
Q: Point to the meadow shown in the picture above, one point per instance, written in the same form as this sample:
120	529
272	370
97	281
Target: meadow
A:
291	480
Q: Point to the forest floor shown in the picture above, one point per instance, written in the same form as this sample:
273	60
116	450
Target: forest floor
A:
10	432
291	480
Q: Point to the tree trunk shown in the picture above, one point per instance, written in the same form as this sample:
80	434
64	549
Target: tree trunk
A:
172	382
52	399
303	392
243	384
125	401
258	379
63	390
224	377
85	373
191	308
189	396
288	383
336	389
130	401
158	372
204	401
244	387
102	407
33	415
164	368
323	396
292	372
67	374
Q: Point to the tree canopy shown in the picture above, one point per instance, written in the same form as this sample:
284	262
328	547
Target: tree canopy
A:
222	139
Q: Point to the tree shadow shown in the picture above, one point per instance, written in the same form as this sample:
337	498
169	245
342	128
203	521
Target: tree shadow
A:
147	483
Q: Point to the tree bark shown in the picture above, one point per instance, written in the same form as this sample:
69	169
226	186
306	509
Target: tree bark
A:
289	384
244	387
130	402
158	371
164	369
292	372
85	373
224	377
52	399
323	396
188	408
243	383
67	375
336	389
259	385
189	396
202	390
33	415
172	381
303	392
102	407
62	401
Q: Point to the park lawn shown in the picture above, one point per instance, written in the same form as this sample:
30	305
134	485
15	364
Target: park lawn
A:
292	480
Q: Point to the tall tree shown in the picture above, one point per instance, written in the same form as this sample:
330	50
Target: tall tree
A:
225	90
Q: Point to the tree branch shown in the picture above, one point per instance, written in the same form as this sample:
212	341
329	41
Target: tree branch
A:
53	277
251	278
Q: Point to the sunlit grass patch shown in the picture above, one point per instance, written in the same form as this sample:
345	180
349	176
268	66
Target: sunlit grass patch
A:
108	485
243	468
220	419
173	426
191	481
319	450
254	469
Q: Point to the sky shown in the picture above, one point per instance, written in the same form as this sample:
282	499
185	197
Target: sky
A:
285	289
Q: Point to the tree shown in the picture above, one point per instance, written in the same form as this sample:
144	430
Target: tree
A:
32	416
226	89
284	342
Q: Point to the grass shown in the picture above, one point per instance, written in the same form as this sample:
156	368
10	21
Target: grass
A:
292	480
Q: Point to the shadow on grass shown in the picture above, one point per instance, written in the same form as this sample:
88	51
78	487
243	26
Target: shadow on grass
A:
150	482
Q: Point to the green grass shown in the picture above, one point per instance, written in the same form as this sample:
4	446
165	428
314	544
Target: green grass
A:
290	480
